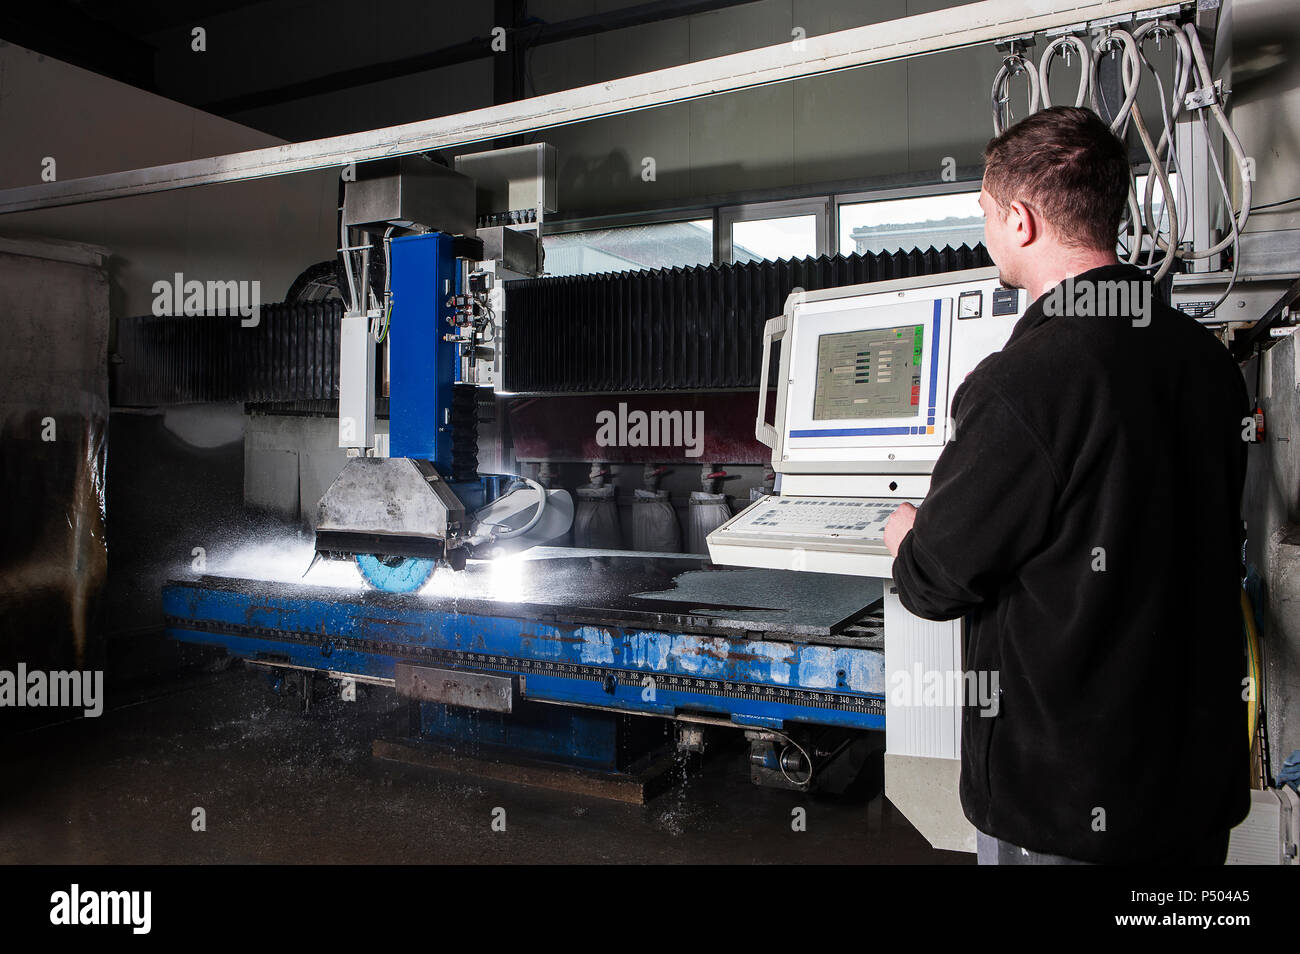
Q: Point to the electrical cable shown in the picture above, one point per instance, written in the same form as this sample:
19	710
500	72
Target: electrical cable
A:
367	293
728	724
388	286
1234	236
347	266
780	760
1274	205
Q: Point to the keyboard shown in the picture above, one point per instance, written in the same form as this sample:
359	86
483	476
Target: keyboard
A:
846	519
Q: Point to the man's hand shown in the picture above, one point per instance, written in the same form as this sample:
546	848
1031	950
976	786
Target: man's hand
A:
899	526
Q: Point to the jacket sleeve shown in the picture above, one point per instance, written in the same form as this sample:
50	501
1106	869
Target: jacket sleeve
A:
992	495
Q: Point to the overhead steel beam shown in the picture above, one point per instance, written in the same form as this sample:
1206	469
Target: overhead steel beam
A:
975	23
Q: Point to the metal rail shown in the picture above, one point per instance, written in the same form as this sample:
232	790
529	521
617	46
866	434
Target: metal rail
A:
983	22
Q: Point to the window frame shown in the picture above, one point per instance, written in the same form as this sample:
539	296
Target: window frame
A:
729	215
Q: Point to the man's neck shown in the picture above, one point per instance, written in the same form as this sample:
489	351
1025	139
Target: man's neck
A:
1052	273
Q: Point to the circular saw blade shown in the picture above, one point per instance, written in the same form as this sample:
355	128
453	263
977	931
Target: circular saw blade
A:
395	574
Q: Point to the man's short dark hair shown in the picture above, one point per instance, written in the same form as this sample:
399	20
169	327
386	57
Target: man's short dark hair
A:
1066	165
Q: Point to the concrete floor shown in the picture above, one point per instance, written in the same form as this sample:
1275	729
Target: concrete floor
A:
282	786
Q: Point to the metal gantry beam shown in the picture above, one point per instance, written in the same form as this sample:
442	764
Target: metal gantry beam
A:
975	23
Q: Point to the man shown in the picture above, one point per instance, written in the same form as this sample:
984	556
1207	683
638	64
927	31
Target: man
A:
1085	521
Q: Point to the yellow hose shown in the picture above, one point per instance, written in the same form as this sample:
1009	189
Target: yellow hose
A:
1252	664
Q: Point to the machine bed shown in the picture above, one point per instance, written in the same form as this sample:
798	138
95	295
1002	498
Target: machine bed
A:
652	633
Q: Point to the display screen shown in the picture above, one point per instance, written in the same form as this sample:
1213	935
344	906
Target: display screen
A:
869	374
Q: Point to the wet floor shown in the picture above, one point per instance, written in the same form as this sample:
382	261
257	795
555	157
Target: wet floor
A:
279	785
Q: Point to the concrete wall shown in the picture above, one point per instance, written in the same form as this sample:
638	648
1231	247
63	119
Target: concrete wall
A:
166	489
1259	40
291	42
289	462
1272	506
882	120
267	230
53	417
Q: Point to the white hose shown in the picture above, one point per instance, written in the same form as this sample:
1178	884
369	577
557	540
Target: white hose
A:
1001	93
1205	80
1191	71
1064	44
1191	55
1165	155
541	506
347	266
1130	72
1235	234
1157	169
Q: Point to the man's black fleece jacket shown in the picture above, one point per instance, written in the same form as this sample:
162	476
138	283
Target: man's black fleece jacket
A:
1085	519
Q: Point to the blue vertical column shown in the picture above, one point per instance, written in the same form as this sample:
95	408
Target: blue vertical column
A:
422	367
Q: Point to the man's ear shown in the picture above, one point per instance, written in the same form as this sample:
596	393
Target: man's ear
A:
1023	224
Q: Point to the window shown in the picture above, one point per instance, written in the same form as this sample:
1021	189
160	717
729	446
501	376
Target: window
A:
891	225
1158	209
630	248
768	231
793	236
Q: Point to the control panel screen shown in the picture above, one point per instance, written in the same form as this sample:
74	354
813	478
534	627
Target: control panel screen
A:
872	373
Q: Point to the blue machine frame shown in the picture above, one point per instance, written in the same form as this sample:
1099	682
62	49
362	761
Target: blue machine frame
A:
750	681
422	367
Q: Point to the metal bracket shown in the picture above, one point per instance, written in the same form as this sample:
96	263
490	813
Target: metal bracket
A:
1105	23
454	687
1154	13
1175	11
1073	28
1168	10
1206	96
1015	44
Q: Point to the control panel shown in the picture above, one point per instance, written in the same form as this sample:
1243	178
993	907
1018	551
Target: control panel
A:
865	384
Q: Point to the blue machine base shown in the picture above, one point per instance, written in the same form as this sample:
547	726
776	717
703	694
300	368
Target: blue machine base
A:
583	674
581	738
614	666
